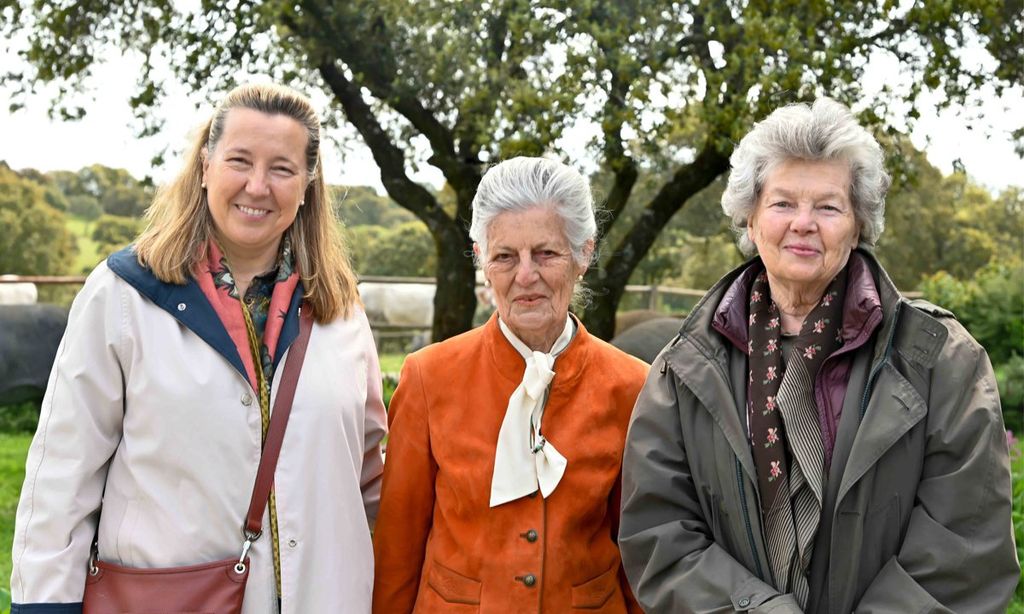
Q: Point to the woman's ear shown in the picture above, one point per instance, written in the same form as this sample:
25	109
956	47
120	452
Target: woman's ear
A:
588	254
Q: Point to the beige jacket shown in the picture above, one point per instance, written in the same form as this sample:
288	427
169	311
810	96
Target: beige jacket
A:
145	416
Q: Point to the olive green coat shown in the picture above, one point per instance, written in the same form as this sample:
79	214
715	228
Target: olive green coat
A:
916	511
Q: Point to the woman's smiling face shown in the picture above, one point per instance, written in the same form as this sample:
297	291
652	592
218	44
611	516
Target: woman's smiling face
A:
255	178
803	223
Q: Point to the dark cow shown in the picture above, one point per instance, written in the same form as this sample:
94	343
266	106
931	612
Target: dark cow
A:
29	336
646	339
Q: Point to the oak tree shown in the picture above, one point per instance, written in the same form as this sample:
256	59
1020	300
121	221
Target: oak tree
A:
652	86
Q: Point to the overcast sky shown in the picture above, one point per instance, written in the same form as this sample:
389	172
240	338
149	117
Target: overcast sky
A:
29	138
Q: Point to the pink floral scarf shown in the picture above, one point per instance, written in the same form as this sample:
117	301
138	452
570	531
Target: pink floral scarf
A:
218	285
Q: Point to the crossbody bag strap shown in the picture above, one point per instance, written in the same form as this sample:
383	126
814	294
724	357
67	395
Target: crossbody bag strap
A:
278	423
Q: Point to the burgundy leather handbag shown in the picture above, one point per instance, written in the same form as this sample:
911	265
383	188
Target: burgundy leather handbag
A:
207	588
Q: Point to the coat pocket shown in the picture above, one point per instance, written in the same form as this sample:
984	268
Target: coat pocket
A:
452	586
594	593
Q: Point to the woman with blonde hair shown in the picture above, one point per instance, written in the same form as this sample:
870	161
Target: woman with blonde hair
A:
160	399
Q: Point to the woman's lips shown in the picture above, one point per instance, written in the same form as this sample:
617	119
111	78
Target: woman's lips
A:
252	212
802	250
528	300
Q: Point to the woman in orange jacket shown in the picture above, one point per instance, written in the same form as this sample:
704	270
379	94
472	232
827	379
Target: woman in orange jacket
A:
501	487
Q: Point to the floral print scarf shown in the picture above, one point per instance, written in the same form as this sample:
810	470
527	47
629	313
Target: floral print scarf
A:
818	339
266	305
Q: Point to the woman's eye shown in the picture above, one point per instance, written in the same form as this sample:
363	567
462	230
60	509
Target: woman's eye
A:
284	170
780	204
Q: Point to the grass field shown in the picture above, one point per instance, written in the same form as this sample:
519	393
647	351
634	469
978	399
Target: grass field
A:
87	255
13	448
391	363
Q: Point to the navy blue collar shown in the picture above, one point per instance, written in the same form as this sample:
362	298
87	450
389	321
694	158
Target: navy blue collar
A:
187	304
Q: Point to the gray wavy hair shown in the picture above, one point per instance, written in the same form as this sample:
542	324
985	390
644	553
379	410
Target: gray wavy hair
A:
825	130
521	183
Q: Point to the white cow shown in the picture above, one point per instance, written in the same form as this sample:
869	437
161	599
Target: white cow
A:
398	304
17	293
412	305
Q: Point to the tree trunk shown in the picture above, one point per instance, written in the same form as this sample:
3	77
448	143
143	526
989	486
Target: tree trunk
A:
455	297
599	317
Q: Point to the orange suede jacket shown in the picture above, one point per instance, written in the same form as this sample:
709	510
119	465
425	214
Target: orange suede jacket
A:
439	547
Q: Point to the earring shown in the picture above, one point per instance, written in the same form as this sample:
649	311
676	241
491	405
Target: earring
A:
487	283
302	202
203	185
579	278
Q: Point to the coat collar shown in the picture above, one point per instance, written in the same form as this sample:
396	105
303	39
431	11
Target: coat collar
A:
187	304
861	310
906	335
568	366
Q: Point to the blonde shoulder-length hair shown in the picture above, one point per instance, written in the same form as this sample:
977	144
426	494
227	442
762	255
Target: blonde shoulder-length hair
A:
179	224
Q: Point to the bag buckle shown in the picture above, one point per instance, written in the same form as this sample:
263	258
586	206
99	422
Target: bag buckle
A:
250	537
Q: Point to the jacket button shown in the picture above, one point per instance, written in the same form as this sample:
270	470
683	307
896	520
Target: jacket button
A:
181	306
744	602
530	536
247	399
292	543
529	579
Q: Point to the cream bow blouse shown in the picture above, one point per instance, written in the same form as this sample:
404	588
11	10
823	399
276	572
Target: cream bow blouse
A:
524	460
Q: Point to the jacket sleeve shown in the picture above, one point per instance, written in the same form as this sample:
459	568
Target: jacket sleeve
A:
407	498
958	553
80	425
374	430
670	558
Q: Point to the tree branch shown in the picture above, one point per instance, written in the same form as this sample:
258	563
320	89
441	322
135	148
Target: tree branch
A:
375	66
388	157
687	181
619	162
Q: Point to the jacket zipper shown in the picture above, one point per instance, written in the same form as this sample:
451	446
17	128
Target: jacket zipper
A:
746	518
878	367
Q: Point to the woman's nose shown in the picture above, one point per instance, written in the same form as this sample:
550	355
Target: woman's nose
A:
526	271
804	220
257	183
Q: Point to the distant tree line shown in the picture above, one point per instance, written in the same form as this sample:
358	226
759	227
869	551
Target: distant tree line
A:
934	224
